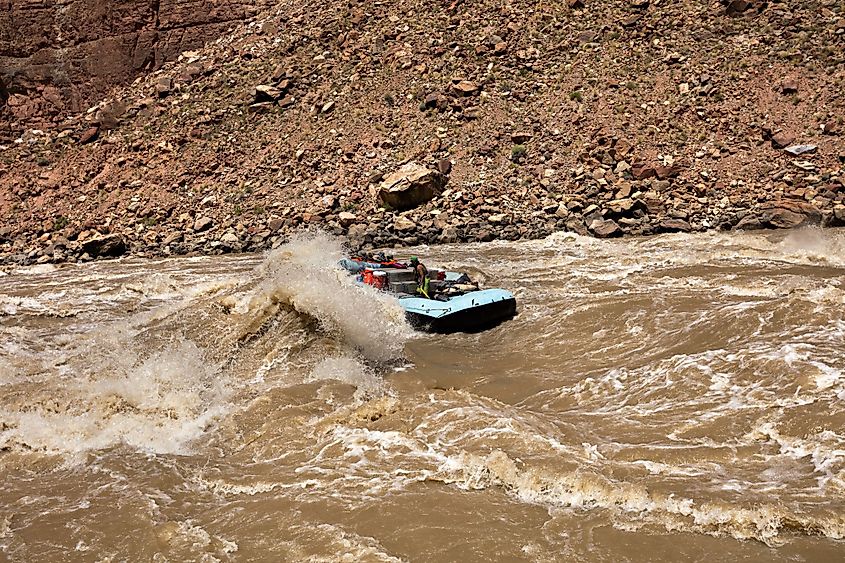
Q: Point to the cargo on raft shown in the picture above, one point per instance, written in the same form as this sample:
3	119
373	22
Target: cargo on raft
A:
454	304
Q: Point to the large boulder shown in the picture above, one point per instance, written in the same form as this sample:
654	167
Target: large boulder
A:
787	214
605	228
109	245
410	186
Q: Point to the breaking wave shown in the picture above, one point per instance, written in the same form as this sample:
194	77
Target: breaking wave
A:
635	505
305	275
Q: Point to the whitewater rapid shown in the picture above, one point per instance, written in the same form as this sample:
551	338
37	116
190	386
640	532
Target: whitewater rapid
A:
662	399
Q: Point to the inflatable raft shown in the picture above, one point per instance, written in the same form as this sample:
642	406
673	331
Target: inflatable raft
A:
456	304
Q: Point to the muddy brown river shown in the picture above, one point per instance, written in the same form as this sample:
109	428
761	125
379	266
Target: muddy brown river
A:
675	398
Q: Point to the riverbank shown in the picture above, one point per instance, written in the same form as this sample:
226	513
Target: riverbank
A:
608	119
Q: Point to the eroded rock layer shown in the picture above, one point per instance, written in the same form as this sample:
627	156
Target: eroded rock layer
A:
58	56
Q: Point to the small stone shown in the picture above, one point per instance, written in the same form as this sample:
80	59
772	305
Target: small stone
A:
266	93
444	166
562	211
345	218
89	136
261	107
666	172
203	224
465	88
521	137
279	73
403	224
164	86
782	140
789	87
275	224
449	234
172	238
737	7
435	101
327	107
642	171
674	226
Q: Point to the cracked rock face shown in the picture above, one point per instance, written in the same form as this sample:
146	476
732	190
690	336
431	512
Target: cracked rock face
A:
56	58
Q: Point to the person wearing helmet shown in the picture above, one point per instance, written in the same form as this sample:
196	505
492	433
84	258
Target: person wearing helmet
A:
421	276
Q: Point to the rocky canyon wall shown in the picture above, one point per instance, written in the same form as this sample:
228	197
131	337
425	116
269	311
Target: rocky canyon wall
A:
58	56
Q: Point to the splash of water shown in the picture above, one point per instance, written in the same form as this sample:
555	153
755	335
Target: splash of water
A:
305	275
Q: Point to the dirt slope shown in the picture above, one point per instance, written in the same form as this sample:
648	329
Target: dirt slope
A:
609	117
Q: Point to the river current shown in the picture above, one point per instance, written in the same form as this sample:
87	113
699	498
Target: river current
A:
674	398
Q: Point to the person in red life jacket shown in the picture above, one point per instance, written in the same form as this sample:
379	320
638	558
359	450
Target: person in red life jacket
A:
421	276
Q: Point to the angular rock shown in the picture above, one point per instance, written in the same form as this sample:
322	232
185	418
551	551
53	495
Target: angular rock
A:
449	234
404	225
109	245
358	232
436	100
172	238
521	137
266	93
410	186
261	107
203	224
839	212
737	7
642	171
164	86
666	172
788	214
444	166
782	140
279	73
605	228
275	224
625	207
674	226
465	88
345	218
562	211
797	150
89	136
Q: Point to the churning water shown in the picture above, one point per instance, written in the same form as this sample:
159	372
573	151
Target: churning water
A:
670	398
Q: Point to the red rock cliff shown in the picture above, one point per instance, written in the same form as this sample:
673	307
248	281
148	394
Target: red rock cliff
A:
58	56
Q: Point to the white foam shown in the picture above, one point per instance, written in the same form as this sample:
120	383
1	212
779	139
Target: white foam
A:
349	370
159	405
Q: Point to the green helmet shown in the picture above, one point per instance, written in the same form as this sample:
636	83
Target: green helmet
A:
414	259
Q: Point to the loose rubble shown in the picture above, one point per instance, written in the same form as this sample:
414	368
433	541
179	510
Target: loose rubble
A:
606	119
